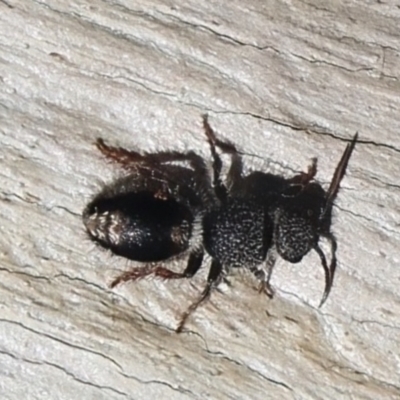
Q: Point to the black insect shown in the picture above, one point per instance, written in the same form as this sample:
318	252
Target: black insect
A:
297	210
163	209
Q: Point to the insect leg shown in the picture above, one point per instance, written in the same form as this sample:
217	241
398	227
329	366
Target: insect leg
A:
194	264
219	187
214	278
129	158
303	178
234	176
264	274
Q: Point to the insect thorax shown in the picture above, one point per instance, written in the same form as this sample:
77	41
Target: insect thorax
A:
237	233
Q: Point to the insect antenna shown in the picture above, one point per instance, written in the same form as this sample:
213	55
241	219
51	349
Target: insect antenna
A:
339	174
326	218
329	271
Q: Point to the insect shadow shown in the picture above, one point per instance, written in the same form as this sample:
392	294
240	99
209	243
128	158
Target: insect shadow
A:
169	205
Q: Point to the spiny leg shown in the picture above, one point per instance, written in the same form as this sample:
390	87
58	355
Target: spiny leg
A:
226	147
264	274
219	187
214	278
193	265
235	170
128	158
303	178
234	177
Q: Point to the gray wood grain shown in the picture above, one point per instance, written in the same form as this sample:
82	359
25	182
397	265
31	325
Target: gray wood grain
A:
285	81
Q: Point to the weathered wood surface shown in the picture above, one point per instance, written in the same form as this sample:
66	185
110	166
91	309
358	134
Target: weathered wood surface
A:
285	81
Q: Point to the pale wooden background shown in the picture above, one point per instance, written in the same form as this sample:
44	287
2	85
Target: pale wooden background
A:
284	80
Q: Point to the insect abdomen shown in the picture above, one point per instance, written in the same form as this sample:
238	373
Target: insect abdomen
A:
140	226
